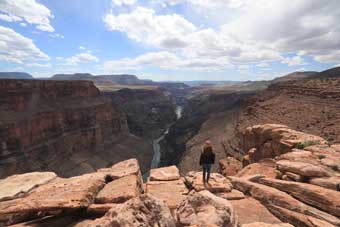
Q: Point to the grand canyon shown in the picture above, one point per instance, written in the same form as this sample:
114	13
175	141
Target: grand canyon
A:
76	148
169	113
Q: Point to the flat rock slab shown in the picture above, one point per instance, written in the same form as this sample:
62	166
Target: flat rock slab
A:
61	194
249	210
19	185
217	182
325	199
204	208
164	174
298	219
327	182
171	192
233	195
257	168
270	196
120	190
303	168
121	169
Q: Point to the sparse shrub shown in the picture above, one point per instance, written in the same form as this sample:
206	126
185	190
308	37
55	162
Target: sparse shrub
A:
300	146
305	144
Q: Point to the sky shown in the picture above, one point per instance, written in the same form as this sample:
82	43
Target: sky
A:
170	40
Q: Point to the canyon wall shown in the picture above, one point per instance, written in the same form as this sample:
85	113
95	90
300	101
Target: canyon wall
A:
209	115
64	126
311	106
148	111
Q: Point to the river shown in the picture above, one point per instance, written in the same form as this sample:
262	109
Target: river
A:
155	143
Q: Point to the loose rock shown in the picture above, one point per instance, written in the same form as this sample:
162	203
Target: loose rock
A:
204	208
164	174
217	182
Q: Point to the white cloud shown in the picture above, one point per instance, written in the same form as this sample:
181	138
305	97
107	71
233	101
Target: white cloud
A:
166	60
80	58
263	65
57	36
29	10
81	48
17	48
310	27
245	33
143	25
9	18
296	60
177	35
124	2
39	65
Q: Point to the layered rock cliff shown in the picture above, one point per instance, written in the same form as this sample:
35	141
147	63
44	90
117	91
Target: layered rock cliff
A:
63	126
208	115
148	111
311	106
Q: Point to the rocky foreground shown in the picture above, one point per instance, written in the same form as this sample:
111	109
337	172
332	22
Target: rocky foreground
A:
288	178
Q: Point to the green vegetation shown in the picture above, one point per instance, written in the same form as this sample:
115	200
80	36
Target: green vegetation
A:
305	144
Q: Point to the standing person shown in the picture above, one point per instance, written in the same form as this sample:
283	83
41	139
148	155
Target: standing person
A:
206	160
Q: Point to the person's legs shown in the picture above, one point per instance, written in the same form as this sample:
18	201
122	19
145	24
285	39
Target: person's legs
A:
208	169
204	172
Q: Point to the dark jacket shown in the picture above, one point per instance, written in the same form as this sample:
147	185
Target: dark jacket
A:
207	156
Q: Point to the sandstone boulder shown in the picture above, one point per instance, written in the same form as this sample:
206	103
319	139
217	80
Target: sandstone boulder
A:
298	219
303	168
271	140
250	210
19	185
258	168
325	199
121	169
61	194
229	166
217	182
120	190
327	182
233	195
140	211
296	155
164	174
269	196
171	192
204	208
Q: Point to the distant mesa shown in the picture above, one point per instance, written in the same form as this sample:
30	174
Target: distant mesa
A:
295	76
15	75
116	79
329	73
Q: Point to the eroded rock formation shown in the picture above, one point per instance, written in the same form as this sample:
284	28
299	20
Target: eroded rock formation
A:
149	110
66	127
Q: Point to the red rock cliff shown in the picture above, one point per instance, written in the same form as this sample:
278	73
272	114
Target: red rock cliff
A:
63	126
